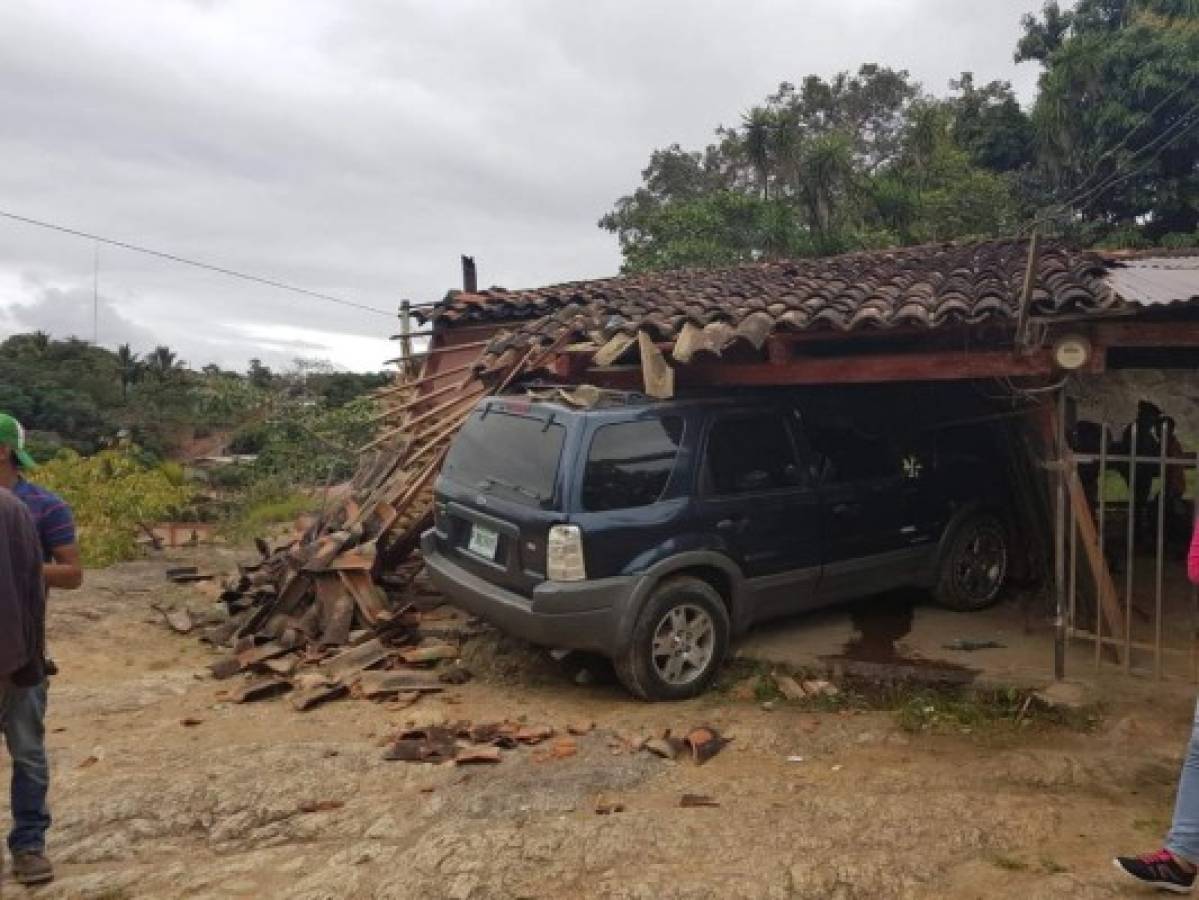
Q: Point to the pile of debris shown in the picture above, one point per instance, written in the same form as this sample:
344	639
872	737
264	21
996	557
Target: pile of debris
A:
463	743
345	582
395	663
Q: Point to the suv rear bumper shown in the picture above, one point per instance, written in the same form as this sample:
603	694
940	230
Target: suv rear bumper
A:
585	615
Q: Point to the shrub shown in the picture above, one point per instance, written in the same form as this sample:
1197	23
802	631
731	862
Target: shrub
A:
111	495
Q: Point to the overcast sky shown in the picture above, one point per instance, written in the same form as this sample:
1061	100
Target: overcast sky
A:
357	147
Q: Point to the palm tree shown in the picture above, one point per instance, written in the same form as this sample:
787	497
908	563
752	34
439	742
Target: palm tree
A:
163	363
759	122
130	369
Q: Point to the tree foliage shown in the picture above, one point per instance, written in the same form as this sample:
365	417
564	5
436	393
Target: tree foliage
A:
111	495
867	159
74	394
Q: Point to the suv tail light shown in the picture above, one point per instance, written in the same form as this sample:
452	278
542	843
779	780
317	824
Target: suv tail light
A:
564	554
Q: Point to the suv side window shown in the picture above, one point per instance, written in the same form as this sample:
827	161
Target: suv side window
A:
848	454
630	462
748	454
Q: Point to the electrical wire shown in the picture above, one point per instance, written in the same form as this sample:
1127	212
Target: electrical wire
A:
1124	141
1170	135
173	257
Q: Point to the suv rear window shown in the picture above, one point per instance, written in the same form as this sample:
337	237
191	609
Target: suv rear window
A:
513	456
630	463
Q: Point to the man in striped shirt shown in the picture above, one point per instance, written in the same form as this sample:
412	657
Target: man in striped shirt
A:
25	714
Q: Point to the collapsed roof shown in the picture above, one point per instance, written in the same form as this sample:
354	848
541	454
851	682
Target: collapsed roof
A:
911	289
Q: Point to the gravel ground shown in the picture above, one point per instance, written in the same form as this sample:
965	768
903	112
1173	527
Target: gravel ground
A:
261	801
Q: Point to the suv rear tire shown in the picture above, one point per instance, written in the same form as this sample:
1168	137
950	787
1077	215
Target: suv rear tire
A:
678	642
974	568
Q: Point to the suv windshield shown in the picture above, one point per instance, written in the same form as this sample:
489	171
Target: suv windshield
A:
515	456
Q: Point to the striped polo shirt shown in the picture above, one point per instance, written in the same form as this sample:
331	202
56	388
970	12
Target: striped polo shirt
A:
51	515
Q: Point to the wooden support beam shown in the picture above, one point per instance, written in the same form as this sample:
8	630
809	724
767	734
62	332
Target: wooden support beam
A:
865	369
1088	537
434	351
1143	334
424	379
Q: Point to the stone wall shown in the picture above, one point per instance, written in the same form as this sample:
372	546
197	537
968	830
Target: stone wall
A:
1113	397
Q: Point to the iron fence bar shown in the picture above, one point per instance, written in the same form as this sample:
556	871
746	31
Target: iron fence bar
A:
1131	552
1124	457
1161	554
1137	645
1102	523
1195	594
1073	532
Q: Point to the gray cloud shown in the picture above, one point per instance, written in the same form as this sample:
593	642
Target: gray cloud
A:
357	149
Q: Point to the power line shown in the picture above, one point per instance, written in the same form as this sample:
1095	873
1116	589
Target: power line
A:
1123	171
233	273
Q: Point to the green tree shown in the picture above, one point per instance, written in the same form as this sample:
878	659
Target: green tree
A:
1117	110
130	366
163	364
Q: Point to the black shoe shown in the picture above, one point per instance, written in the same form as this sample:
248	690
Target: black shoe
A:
1159	870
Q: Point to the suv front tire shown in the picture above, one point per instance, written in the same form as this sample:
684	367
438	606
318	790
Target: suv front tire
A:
678	643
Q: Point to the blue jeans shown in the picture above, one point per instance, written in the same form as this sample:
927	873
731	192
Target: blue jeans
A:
23	721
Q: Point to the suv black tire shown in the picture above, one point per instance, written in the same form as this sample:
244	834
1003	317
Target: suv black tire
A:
695	603
974	568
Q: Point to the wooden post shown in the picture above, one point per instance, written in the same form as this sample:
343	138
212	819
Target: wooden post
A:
1030	277
405	338
470	276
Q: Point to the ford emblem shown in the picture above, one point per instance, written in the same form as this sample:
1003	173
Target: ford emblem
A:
481	500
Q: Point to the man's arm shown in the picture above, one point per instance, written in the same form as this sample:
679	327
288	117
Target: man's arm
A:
66	571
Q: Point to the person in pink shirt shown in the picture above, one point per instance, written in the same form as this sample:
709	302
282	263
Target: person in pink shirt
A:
1173	867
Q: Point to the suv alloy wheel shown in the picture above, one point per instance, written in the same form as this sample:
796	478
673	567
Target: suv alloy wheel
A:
678	643
974	568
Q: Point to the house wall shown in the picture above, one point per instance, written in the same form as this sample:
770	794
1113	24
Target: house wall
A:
1113	396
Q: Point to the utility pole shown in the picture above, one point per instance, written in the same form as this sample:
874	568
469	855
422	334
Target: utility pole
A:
96	296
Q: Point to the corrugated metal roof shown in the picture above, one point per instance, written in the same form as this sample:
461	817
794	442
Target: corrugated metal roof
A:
1156	280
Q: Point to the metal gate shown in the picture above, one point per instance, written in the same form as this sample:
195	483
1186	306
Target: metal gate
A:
1125	508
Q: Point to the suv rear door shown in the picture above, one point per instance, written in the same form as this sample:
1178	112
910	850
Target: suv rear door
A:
754	495
499	493
866	500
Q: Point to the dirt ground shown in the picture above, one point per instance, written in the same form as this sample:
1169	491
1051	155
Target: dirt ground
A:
258	800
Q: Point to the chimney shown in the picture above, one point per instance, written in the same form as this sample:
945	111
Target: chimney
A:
470	279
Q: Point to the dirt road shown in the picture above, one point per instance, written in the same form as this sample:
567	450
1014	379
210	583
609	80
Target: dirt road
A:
261	801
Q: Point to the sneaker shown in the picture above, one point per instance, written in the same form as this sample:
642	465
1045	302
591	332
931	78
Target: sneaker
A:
31	867
1159	870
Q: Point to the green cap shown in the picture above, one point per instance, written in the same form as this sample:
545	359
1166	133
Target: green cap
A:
12	436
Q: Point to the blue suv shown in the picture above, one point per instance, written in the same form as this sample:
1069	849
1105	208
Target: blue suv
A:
653	531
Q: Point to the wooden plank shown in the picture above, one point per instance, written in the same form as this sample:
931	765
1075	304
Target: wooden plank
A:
418	382
655	371
1030	275
434	351
1088	537
439	410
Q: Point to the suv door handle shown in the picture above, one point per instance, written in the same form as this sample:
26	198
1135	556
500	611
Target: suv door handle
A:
732	523
847	509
